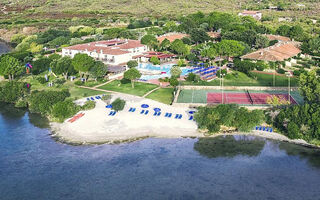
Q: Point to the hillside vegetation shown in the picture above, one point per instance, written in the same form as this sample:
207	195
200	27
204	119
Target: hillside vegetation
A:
155	7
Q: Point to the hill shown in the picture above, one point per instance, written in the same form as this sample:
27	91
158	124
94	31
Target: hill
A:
154	7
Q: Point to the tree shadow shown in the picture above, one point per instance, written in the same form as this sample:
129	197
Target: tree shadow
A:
228	146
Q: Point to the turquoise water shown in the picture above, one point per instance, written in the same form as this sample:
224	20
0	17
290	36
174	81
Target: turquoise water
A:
34	166
165	68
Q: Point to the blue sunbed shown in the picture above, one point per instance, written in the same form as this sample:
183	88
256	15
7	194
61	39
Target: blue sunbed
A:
170	114
264	128
114	112
111	112
270	130
133	109
159	113
142	112
166	115
92	98
191	118
267	129
88	99
146	112
155	113
130	110
260	128
180	116
176	117
257	127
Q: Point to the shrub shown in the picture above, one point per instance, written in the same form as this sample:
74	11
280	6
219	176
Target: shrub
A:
118	104
78	82
63	110
88	105
125	81
106	98
230	115
41	80
41	101
59	81
12	91
281	71
21	103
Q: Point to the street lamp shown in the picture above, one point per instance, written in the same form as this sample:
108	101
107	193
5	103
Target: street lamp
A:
289	75
221	77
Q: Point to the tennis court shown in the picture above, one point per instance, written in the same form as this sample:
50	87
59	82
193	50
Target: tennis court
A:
241	97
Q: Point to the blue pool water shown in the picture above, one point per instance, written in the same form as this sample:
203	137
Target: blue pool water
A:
159	68
34	166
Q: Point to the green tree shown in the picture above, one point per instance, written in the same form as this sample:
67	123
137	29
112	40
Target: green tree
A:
261	42
99	70
82	63
10	66
155	60
165	44
42	101
310	86
173	81
175	71
132	74
199	36
229	48
150	40
63	66
283	30
118	104
63	110
40	65
132	64
12	91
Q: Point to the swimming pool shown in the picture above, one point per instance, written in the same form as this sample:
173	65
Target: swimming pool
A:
161	71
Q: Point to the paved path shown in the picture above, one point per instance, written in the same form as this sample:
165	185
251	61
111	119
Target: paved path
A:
103	84
151	92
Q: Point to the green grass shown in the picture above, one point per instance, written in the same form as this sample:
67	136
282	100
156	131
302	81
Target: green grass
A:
78	93
242	79
163	95
139	88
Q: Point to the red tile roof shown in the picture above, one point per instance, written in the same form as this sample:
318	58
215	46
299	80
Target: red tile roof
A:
171	37
278	37
111	47
278	52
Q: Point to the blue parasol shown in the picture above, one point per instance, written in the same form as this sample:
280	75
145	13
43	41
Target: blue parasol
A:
109	106
144	106
157	109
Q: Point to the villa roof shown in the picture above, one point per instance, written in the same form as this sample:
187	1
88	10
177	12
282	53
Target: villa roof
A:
278	52
278	37
110	47
172	37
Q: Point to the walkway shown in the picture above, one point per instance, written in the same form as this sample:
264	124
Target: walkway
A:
151	92
103	83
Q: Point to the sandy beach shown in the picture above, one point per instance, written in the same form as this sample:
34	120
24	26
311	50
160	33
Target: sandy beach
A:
96	127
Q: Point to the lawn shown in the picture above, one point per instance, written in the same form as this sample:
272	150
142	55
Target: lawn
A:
241	79
139	88
78	93
163	95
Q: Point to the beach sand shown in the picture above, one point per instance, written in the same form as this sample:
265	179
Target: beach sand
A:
96	127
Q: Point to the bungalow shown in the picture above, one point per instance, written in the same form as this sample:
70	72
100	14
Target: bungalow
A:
278	52
112	52
163	57
255	14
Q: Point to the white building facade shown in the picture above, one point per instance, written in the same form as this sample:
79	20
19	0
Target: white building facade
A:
111	52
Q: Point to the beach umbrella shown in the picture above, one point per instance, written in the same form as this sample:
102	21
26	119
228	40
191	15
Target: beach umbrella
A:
192	112
157	109
144	106
109	106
